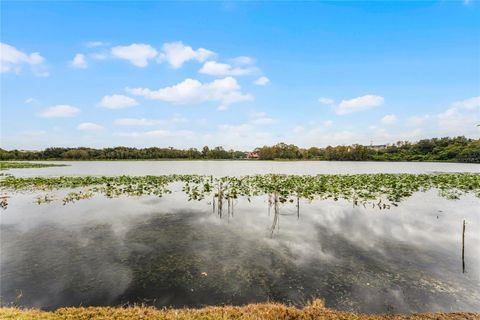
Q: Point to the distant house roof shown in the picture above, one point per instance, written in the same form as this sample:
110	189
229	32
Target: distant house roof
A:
251	155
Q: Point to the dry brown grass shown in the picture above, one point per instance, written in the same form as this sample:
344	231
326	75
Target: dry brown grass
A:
267	311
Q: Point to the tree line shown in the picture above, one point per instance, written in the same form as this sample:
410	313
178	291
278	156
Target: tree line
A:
457	149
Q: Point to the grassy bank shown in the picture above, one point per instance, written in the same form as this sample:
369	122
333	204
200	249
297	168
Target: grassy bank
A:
4	165
267	311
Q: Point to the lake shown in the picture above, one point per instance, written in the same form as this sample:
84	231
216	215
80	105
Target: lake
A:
239	168
169	251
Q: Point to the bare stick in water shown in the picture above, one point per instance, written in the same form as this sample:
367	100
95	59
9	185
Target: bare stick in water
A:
298	207
220	200
463	247
269	203
228	209
276	215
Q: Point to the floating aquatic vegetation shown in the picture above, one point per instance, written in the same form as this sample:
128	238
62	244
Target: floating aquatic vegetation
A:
75	196
44	199
3	201
377	190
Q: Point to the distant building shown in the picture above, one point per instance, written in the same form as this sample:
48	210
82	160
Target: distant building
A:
378	147
251	155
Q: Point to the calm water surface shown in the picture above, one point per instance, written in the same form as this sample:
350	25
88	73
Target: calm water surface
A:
171	252
229	168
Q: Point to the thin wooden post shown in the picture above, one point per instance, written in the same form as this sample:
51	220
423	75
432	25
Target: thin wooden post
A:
220	200
276	222
463	247
298	207
228	209
269	203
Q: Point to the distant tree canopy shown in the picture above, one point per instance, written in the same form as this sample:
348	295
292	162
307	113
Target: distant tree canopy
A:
120	153
279	151
457	149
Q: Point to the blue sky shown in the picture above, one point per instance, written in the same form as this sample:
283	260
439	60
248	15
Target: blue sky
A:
237	74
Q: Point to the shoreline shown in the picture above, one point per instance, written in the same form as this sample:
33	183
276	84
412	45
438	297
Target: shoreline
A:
232	160
268	311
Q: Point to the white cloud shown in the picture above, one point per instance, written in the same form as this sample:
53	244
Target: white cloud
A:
236	130
469	104
262	121
59	111
244	60
137	53
389	119
150	122
328	123
358	104
222	107
378	134
177	119
261	81
190	91
33	133
94	44
416	121
157	134
90	126
461	119
258	114
176	54
237	136
411	135
321	136
312	132
299	129
214	68
260	118
79	61
12	60
326	101
458	119
117	101
137	122
31	101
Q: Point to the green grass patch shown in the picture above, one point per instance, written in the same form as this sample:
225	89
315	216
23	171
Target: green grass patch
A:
5	165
